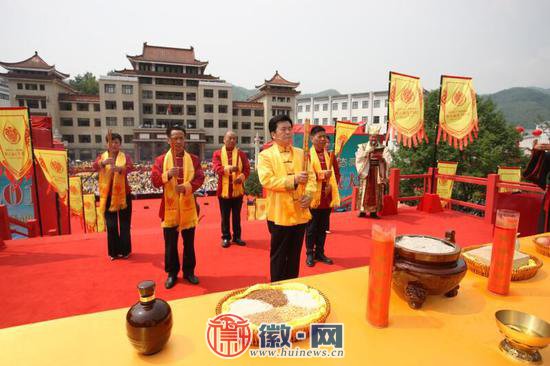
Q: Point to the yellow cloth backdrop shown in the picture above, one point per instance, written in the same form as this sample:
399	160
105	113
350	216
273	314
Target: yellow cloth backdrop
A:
75	188
90	213
509	174
15	142
344	130
458	122
445	186
406	110
54	166
100	220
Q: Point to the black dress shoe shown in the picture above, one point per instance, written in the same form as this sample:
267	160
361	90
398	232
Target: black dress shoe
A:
309	260
362	214
192	279
226	243
323	258
170	281
373	215
239	242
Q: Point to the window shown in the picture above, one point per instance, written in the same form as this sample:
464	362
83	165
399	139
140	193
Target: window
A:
386	103
235	126
354	105
208	108
110	104
43	104
97	122
66	122
84	139
273	99
83	122
222	94
222	123
96	107
365	119
235	112
66	106
145	80
163	81
334	106
386	118
325	106
300	108
32	103
98	139
42	87
258	113
110	88
220	139
245	140
110	121
208	93
191	96
31	87
208	123
191	110
128	139
147	94
128	106
68	138
344	105
376	104
222	108
128	121
365	104
308	108
82	107
19	86
316	107
147	109
245	126
354	119
191	123
258	125
316	121
246	112
300	120
127	89
169	95
325	121
209	139
376	119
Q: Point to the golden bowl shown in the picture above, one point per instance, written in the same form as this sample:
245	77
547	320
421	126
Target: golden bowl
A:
525	335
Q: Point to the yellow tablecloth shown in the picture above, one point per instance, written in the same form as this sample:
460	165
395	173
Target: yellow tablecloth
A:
457	331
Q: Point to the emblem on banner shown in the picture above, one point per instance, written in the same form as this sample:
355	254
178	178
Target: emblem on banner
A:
407	95
11	134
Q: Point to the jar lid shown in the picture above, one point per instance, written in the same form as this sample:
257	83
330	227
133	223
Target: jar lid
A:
146	288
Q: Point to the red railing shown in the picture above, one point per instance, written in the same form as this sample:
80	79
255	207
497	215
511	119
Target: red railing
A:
6	229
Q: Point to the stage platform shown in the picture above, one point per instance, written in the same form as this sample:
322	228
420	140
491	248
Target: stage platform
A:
53	277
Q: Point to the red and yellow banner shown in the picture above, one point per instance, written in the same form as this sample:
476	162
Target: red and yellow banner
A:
344	130
100	220
75	200
509	174
458	122
90	214
406	110
445	186
15	142
54	167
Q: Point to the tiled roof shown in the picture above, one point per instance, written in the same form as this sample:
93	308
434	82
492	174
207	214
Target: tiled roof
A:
168	54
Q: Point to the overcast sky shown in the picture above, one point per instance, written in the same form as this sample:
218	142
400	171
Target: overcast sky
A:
346	45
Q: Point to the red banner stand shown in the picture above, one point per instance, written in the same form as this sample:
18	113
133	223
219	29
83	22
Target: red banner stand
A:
430	203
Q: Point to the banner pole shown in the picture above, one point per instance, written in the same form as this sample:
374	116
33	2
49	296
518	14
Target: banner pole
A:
58	213
388	111
434	160
35	181
82	200
68	194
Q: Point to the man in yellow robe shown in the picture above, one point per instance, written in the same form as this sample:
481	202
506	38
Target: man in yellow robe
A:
289	189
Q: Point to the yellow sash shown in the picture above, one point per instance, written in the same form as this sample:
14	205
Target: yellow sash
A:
179	208
316	163
237	187
118	193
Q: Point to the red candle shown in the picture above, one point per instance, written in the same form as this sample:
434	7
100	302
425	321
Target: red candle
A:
502	255
380	274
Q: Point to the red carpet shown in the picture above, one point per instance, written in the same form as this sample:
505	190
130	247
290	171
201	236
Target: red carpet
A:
53	277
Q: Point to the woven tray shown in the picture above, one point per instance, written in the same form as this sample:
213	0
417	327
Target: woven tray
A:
304	328
542	249
517	274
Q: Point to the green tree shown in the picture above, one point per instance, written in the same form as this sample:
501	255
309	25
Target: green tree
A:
86	84
497	144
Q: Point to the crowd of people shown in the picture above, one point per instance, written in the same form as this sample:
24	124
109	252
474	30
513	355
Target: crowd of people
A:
139	179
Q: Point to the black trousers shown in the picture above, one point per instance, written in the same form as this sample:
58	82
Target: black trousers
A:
231	207
286	247
171	256
119	242
316	232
